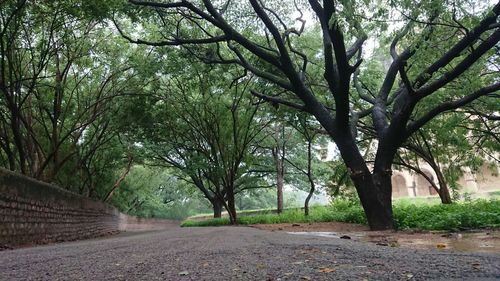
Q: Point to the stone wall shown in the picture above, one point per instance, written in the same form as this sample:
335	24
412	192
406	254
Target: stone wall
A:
33	212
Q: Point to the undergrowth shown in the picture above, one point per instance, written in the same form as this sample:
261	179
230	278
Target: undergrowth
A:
407	215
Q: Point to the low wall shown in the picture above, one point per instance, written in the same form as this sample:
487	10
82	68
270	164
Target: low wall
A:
33	212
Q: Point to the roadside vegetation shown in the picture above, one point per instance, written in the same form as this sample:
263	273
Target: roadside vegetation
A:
420	215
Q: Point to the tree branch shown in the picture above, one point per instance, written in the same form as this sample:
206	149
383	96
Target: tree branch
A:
417	124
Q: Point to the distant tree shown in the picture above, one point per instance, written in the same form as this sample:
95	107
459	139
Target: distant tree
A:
310	134
205	129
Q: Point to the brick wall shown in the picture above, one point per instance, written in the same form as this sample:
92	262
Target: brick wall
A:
33	212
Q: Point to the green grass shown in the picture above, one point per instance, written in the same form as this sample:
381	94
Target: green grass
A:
408	214
466	215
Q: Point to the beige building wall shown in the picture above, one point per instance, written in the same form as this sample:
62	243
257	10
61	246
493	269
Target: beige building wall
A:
488	179
410	184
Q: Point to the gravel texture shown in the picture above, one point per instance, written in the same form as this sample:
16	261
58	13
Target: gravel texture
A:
238	253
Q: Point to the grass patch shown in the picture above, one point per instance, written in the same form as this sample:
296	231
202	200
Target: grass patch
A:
464	215
425	215
208	222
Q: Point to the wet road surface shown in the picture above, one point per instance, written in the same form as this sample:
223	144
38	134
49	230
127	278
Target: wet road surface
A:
239	253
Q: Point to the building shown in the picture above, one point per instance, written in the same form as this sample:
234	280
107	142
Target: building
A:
410	184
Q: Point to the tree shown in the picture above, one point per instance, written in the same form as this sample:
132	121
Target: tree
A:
206	131
62	80
156	192
469	142
422	65
309	133
279	150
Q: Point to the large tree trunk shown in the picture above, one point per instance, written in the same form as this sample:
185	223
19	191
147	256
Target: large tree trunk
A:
217	207
374	192
373	188
231	206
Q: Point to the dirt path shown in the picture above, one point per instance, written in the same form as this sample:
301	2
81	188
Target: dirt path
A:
239	253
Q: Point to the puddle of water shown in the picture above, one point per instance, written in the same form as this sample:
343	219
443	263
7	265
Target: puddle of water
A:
320	234
483	242
467	242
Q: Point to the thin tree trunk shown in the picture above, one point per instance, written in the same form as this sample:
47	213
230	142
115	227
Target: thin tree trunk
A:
279	185
10	156
119	180
15	126
56	113
310	178
309	196
444	191
279	161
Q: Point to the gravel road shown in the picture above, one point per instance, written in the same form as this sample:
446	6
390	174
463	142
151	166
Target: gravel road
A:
238	253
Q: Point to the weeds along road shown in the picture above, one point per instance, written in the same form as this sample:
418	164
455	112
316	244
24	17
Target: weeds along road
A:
238	253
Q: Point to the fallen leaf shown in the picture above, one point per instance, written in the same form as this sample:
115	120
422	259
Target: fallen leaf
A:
288	274
326	269
298	262
307	277
440	246
205	264
260	266
183	273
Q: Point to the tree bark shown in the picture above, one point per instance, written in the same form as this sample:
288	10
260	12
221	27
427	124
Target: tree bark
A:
444	191
309	177
120	179
279	185
217	207
374	192
308	198
279	160
231	207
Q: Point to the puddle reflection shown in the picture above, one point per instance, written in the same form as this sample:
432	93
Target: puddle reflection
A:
482	242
